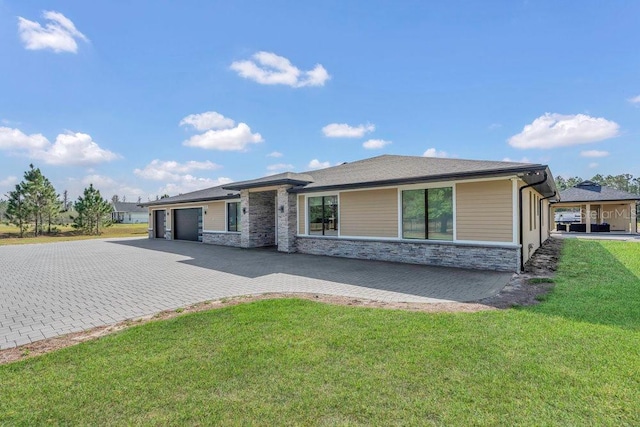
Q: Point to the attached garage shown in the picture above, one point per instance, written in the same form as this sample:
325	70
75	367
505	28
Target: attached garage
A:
187	224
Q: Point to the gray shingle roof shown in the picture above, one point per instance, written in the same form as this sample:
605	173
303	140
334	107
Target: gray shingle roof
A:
213	193
588	191
392	169
278	179
127	207
372	172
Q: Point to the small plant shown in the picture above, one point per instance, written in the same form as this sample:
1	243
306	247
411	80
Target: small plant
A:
179	310
26	352
536	280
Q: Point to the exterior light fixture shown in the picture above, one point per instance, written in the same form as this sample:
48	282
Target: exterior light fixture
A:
282	208
244	210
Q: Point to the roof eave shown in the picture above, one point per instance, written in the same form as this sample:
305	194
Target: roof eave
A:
197	199
422	179
245	186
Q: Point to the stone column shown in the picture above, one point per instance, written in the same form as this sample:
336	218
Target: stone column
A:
287	214
245	236
633	219
588	218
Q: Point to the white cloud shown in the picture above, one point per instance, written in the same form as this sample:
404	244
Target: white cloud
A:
557	130
635	100
207	120
375	144
317	164
432	152
234	139
494	126
15	139
71	148
594	153
593	165
177	176
8	182
188	183
275	154
58	34
279	167
75	148
109	187
522	160
343	130
171	170
267	68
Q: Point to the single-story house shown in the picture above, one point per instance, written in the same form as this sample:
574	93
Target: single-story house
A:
422	210
128	213
600	209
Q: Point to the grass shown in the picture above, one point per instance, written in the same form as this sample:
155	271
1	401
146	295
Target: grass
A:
571	360
9	235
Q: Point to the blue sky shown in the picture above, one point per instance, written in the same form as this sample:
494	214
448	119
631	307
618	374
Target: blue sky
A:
150	97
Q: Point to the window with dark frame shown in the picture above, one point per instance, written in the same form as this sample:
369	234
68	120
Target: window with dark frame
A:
323	215
233	216
427	214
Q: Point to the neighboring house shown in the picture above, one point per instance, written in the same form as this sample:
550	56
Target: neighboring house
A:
601	209
421	210
129	213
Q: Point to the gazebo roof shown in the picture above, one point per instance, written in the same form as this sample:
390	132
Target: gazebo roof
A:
589	191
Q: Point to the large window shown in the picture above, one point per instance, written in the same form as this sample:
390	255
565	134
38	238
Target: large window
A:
233	216
323	215
427	214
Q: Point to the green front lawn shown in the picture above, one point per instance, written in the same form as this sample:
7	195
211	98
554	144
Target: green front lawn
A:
572	360
10	235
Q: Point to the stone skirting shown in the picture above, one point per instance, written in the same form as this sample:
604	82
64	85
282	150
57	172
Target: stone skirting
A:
222	239
444	254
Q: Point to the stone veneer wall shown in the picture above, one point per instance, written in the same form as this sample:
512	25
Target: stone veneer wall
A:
287	220
482	257
261	212
223	239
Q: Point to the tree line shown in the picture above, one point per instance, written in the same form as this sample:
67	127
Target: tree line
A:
35	207
624	182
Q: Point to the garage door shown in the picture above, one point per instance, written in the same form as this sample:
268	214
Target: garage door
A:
187	224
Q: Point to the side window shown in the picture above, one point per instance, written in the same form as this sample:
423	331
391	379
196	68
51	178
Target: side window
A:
323	215
233	216
427	214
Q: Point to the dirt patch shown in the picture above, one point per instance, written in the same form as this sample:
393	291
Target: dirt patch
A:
536	281
523	289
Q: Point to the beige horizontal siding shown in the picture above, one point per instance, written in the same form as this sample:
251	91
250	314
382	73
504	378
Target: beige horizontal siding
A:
484	211
301	210
372	213
215	219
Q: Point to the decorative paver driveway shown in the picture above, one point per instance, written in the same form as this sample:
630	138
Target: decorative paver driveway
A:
52	289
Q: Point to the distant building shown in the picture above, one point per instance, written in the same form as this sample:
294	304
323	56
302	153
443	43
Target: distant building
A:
129	213
600	209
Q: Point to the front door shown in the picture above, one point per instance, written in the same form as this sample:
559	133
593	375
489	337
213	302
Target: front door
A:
160	224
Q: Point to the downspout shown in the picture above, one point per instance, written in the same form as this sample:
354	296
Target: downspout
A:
520	217
549	214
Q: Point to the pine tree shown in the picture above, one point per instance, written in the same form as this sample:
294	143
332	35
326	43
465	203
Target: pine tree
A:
53	206
34	200
18	211
93	211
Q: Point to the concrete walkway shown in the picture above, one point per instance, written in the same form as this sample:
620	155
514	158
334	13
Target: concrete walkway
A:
52	289
596	236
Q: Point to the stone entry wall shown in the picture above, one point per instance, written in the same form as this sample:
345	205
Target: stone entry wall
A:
259	221
223	239
481	257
